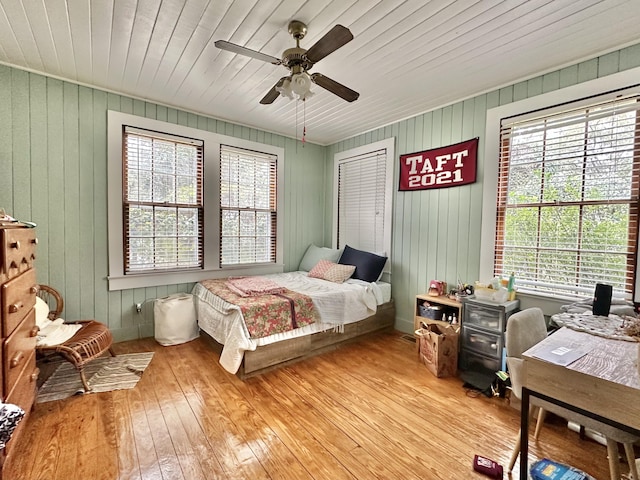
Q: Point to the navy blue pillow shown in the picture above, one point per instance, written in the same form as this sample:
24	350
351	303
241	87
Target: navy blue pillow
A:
368	265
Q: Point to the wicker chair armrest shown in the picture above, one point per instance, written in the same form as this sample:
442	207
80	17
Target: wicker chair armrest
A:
53	298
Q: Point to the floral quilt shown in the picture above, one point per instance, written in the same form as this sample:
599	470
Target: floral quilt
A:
268	314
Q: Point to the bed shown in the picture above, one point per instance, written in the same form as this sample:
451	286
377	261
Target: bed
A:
344	311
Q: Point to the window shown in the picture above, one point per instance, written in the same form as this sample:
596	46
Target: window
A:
362	205
167	199
162	202
567	197
361	201
248	216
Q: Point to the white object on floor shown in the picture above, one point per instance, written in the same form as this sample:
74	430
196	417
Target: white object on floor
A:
175	319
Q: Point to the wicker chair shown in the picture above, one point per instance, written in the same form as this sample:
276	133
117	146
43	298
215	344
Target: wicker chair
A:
91	341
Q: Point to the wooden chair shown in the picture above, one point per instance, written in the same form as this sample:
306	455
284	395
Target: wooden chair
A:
91	341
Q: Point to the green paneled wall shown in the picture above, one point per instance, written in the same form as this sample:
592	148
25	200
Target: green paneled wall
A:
53	171
436	233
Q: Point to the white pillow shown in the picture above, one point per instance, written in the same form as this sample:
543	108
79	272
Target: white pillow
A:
42	313
314	254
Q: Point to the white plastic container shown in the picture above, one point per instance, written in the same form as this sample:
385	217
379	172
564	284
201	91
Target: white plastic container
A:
175	319
500	295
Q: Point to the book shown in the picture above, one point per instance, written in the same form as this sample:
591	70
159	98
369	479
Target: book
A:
546	469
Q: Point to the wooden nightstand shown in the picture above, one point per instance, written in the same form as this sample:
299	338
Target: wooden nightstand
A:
450	307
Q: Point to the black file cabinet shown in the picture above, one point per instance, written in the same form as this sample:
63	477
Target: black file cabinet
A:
482	340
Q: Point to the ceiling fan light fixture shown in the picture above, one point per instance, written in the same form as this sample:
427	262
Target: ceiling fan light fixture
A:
285	89
297	87
301	85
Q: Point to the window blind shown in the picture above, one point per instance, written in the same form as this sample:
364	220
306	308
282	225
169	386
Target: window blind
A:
162	201
248	207
361	201
567	212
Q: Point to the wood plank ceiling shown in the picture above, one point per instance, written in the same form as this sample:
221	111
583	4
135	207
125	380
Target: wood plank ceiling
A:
407	57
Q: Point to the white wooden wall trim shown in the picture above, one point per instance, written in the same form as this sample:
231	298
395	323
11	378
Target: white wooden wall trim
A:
580	94
117	279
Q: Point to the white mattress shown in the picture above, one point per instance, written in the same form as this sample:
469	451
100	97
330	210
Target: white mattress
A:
337	305
385	292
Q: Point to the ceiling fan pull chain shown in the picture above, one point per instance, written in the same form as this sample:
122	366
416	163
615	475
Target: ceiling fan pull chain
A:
304	122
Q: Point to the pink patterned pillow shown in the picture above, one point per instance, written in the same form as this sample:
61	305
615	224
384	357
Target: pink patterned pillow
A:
334	272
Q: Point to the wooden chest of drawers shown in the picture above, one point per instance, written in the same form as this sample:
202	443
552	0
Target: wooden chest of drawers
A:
18	287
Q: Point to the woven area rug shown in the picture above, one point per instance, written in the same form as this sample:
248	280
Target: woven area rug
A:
103	375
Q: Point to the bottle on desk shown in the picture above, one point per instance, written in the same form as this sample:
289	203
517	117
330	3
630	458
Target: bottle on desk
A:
511	286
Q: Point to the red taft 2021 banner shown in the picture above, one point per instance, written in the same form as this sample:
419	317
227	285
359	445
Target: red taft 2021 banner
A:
439	167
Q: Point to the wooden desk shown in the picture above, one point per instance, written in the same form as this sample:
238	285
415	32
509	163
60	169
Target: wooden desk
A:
604	384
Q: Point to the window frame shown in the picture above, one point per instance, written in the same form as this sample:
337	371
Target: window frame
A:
388	145
585	124
117	279
132	203
272	209
582	94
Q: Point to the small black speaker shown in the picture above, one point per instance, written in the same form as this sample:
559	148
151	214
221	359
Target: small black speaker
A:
602	299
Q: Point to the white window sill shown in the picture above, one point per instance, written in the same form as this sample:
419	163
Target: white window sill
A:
550	303
123	282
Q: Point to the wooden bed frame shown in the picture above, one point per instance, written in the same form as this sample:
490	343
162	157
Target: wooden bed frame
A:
274	355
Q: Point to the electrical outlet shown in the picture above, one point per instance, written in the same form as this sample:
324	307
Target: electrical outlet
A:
138	307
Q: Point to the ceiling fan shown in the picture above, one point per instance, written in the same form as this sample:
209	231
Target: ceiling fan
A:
299	61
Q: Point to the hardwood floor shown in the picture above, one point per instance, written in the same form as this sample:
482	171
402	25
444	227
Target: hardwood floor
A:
368	410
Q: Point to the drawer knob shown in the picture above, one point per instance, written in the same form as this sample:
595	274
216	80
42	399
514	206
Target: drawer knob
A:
33	290
34	376
15	307
15	245
34	241
34	331
17	358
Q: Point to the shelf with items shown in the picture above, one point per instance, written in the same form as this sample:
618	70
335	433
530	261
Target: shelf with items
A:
449	308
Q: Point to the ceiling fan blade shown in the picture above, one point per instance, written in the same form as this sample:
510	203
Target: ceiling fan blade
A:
232	47
334	87
273	93
333	40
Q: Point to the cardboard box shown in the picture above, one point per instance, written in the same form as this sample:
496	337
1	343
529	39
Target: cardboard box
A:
438	349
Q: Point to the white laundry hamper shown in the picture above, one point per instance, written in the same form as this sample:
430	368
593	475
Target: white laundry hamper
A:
175	319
